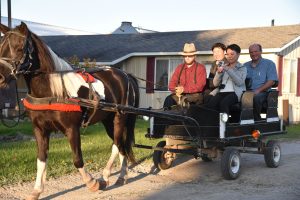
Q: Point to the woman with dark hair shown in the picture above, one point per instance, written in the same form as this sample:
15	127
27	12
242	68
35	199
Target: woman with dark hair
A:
218	50
229	80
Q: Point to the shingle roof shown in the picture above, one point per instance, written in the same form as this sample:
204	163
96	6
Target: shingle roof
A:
111	47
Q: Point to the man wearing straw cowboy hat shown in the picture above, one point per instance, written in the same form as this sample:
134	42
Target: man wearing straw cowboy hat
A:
188	80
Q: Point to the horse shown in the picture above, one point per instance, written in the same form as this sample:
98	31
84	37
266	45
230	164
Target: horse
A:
48	76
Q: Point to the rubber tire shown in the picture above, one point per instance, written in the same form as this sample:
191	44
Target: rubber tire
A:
227	163
159	158
272	147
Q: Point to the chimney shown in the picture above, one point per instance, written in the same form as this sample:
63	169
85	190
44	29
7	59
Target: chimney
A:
272	22
125	28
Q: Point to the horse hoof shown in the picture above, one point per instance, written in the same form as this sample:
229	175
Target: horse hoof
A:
34	195
93	185
103	184
121	181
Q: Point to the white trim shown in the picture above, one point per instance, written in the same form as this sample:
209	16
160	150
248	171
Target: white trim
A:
290	43
273	119
249	121
151	122
271	50
222	128
149	54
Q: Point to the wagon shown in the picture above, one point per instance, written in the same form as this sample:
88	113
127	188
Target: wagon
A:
207	134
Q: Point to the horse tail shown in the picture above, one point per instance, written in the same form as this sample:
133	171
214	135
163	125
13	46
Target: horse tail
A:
134	96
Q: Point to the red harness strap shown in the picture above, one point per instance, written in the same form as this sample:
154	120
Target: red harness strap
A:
87	77
54	106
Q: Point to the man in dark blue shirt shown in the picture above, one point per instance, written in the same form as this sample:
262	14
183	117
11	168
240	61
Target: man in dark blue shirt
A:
263	74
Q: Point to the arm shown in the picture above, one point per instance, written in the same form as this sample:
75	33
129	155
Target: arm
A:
174	79
264	87
271	78
238	75
218	78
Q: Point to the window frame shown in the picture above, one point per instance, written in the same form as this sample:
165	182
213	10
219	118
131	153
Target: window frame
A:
290	67
170	72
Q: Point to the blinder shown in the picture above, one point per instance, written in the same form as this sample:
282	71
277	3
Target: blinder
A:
26	61
23	65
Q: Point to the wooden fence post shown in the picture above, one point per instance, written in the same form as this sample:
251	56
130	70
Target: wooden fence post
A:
285	111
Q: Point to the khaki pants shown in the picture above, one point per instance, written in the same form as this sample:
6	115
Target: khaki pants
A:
195	98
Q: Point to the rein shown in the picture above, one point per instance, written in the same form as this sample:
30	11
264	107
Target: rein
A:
154	84
19	115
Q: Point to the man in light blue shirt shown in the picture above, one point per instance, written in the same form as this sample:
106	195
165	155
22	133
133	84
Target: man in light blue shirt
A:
263	74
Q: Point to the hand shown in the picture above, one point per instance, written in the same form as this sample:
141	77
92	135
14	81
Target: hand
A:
256	92
179	90
220	69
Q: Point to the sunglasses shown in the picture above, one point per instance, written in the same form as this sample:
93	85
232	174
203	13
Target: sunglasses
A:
188	56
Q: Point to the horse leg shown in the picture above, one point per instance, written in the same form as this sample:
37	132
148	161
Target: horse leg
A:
119	134
124	170
43	146
116	129
107	169
73	135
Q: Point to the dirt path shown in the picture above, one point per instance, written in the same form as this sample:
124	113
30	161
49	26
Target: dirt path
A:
188	179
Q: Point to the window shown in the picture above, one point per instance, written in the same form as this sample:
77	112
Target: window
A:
164	68
289	76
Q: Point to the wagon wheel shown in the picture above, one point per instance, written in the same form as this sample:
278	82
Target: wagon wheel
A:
272	154
163	159
11	119
230	164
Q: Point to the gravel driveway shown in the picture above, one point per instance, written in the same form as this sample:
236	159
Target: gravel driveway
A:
188	179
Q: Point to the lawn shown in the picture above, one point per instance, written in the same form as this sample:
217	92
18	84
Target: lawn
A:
18	159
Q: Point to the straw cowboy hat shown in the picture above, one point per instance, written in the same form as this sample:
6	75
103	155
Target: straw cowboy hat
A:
189	49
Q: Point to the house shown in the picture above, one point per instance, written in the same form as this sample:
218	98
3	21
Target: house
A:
153	56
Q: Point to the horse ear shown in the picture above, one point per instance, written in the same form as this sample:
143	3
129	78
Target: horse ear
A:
4	28
23	28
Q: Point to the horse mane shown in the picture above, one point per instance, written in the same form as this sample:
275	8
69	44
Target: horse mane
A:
50	63
46	62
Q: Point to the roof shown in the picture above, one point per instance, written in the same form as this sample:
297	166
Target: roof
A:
113	48
46	29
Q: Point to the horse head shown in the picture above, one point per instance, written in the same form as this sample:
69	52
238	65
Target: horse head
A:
16	53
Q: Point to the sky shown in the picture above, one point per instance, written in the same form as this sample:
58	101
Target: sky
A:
104	16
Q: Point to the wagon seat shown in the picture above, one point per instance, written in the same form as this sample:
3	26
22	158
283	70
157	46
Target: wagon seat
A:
243	111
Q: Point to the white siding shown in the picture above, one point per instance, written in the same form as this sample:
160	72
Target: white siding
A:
292	52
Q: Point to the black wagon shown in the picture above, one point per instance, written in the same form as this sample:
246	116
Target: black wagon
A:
207	134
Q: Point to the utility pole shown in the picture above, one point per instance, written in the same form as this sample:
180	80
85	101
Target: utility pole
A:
0	13
9	13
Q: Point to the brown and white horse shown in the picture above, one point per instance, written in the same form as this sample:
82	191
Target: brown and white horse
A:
48	76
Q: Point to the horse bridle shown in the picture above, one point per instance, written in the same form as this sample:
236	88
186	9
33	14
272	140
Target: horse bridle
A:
23	65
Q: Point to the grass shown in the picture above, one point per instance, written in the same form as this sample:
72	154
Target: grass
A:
18	159
293	132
